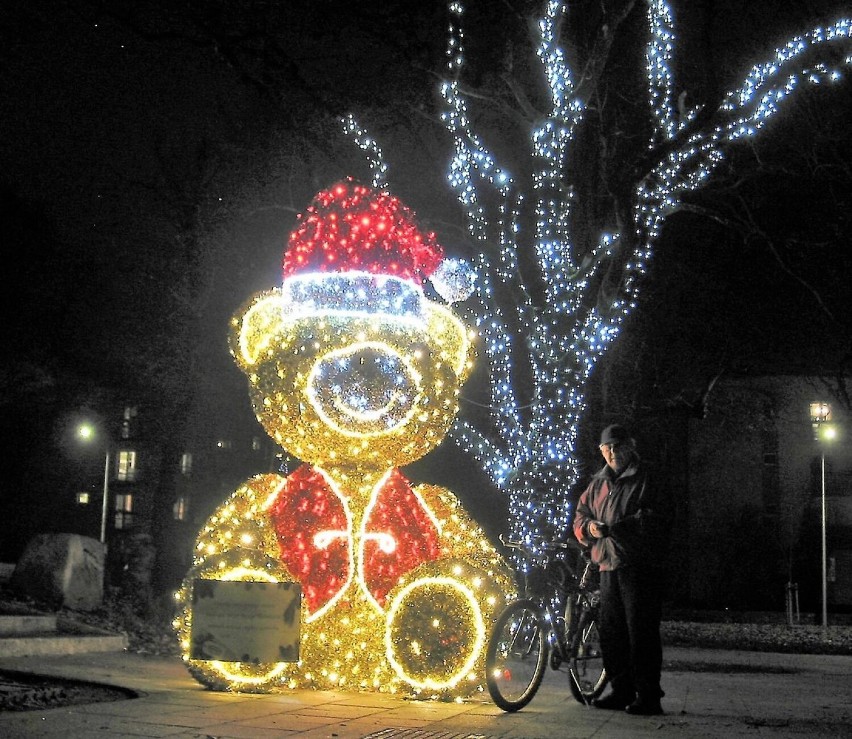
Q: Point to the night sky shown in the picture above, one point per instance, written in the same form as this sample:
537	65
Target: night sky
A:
153	156
125	126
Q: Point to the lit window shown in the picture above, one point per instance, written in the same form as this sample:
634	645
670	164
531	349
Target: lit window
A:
181	508
123	511
126	466
186	463
256	444
83	498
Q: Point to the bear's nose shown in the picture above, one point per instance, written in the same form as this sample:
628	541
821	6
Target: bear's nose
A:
364	389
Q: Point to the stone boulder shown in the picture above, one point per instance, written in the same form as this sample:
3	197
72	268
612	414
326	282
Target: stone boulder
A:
62	570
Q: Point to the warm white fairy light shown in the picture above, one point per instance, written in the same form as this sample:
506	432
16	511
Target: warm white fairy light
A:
531	452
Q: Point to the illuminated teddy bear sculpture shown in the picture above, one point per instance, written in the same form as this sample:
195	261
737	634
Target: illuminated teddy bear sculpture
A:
354	371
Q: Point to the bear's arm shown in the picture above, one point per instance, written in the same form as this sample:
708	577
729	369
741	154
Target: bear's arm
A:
461	535
241	525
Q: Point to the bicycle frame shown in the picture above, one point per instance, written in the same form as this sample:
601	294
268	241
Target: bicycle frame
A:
552	598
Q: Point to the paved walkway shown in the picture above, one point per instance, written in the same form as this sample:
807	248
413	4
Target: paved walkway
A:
708	694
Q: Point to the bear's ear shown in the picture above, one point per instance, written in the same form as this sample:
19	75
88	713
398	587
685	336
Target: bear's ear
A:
453	337
255	327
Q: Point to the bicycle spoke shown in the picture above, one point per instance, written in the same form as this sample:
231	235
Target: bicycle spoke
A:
516	656
586	667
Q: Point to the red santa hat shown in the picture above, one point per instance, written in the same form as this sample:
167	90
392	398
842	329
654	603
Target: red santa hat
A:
359	249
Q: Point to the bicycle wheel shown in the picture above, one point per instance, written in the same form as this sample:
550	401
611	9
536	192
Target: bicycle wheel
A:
586	673
516	656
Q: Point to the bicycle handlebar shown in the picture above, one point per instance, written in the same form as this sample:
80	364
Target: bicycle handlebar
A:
545	544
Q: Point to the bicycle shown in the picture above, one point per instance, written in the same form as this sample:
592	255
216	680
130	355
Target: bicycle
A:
555	621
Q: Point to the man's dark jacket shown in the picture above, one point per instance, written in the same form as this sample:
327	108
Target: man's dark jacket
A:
637	516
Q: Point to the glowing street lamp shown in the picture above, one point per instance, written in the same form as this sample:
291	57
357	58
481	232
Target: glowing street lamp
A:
820	413
824	432
87	432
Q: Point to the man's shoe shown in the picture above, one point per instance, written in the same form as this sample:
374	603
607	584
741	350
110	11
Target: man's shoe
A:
613	701
645	707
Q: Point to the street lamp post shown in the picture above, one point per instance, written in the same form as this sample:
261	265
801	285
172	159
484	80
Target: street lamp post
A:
824	545
823	432
105	502
86	432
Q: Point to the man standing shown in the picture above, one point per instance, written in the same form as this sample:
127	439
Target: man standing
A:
626	522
